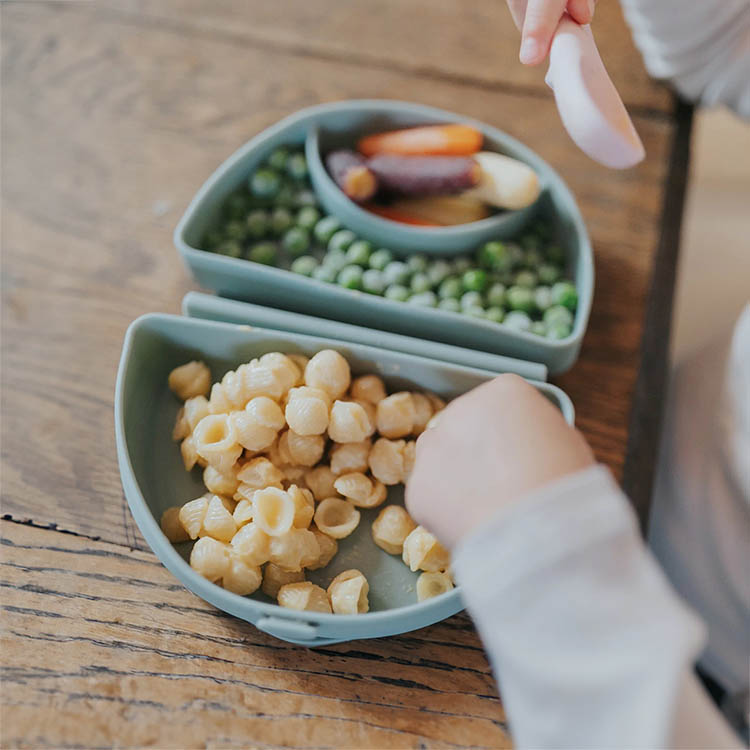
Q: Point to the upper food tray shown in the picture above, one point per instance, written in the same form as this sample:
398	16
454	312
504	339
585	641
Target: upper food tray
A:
250	281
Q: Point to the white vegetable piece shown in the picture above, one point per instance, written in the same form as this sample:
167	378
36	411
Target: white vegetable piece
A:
505	182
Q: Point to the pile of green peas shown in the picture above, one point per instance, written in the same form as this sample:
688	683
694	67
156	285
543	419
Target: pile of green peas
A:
277	221
271	218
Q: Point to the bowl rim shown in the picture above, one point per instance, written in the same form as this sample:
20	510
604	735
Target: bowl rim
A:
311	114
359	626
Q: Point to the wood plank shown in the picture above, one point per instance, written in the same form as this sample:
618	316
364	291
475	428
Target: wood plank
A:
646	417
124	125
474	42
103	647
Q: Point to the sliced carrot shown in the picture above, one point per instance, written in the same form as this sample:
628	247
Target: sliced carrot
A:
400	216
428	140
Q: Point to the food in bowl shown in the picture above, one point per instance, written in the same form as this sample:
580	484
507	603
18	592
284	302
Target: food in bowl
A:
275	219
291	449
406	175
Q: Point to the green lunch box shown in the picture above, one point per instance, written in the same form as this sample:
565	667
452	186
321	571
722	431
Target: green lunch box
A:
253	282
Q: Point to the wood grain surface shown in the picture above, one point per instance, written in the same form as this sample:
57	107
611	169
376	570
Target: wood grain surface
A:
113	115
471	43
102	645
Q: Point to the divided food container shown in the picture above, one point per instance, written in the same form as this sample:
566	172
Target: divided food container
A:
273	287
154	478
275	310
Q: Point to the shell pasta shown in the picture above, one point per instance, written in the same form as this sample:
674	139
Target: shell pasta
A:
294	452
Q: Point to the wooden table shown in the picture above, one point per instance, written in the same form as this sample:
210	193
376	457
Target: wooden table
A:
114	112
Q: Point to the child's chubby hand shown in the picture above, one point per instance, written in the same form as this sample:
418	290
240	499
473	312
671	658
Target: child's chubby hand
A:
486	450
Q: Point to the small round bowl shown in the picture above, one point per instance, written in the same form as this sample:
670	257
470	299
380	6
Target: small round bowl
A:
404	238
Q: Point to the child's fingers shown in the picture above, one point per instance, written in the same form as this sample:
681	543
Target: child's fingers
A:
542	17
581	11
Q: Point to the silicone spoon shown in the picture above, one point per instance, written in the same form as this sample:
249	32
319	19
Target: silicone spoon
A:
589	105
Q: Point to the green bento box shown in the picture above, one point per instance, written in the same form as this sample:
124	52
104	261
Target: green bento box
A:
265	285
154	478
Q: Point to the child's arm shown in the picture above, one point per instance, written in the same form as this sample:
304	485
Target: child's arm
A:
589	643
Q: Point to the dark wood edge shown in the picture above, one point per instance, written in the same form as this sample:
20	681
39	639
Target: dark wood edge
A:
649	398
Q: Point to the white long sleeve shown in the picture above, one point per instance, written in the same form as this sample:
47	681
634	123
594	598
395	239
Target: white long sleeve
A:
701	46
700	518
590	645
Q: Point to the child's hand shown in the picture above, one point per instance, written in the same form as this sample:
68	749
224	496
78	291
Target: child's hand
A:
488	448
538	19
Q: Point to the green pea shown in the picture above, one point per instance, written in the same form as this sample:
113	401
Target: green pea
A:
564	293
212	239
281	220
286	197
278	157
542	298
296	166
325	273
515	253
372	281
304	265
417	263
420	283
461	265
424	299
527	279
555	254
558	314
472	299
237	205
495	314
532	258
517	320
474	311
494	256
341	240
262	252
265	183
396	272
506	278
474	280
257	223
520	298
296	240
235	230
558	330
380	259
350	277
304	198
451	288
496	294
326	228
450	303
307	217
397	292
548	273
359	252
438	270
335	260
538	328
232	248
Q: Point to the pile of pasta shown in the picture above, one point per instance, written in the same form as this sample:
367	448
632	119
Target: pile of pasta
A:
291	448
